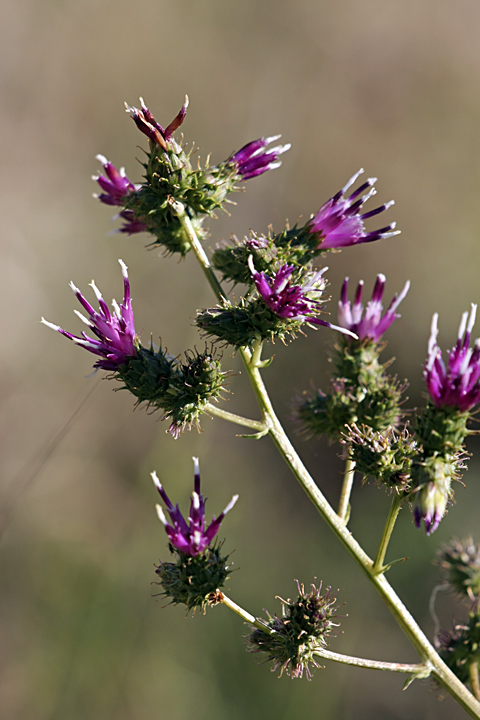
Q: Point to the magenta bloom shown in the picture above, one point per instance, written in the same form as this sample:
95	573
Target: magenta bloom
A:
340	222
115	184
289	301
115	332
190	537
145	122
368	323
457	383
116	187
253	159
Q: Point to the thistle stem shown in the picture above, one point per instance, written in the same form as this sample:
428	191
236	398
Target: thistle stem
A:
244	614
233	418
348	477
473	671
427	652
395	507
197	248
415	669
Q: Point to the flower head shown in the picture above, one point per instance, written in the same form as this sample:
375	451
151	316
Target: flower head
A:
292	640
190	538
145	122
115	332
253	159
116	187
368	322
340	223
290	301
457	383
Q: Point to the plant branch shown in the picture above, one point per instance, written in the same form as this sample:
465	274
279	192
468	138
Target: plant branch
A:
473	672
419	640
348	477
243	613
233	418
423	669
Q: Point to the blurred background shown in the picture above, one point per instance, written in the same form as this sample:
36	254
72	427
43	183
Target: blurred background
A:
389	86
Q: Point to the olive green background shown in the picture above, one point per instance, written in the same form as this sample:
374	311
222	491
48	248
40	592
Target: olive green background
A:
390	86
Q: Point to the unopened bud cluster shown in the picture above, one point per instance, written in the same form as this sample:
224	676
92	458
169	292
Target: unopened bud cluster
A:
290	642
460	648
361	392
180	389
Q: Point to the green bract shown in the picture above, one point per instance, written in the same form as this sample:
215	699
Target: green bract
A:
245	324
190	580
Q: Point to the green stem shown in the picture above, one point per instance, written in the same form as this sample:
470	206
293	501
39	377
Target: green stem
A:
395	507
244	614
415	669
473	671
238	419
419	640
348	477
197	248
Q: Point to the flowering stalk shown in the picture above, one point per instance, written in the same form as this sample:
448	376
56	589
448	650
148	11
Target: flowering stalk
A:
426	650
417	669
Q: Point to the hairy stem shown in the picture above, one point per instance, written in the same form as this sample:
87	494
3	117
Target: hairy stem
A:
233	418
348	477
419	640
415	669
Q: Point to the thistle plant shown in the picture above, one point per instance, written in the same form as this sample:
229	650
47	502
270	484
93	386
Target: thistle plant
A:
414	454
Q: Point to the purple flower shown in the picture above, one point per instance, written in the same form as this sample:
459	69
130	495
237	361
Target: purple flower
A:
368	323
115	333
190	537
116	187
145	122
115	184
340	223
253	159
457	383
291	302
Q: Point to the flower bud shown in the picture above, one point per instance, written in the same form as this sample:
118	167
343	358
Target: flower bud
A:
460	560
290	641
385	456
361	393
461	648
181	390
432	478
199	381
